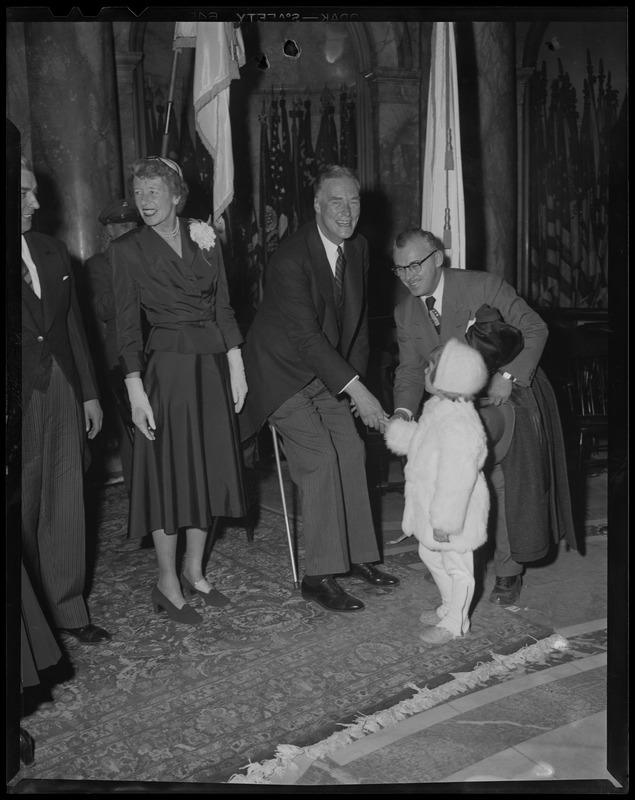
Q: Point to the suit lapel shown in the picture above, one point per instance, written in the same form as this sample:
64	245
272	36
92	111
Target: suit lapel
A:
455	310
52	274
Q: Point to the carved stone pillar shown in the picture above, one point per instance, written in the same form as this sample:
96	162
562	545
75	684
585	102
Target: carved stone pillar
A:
494	50
74	126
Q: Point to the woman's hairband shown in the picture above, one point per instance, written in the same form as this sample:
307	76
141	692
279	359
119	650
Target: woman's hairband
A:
168	163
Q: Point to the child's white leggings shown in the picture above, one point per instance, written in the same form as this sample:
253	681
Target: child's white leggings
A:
453	574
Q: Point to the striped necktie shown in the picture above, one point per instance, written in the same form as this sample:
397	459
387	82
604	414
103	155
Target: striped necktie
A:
27	275
340	265
434	315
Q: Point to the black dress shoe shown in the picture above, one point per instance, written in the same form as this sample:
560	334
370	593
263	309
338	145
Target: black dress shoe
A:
330	595
506	590
372	575
88	634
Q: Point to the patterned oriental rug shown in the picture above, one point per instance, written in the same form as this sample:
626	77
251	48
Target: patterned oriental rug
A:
169	703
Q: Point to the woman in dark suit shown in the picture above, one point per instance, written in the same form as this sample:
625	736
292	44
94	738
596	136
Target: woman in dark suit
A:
184	387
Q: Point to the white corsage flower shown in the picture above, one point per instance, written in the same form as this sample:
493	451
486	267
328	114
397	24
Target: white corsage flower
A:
202	234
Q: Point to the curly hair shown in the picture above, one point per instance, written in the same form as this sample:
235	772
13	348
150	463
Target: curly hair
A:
155	167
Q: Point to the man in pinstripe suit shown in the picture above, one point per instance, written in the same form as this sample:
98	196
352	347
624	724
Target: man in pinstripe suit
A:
304	356
60	406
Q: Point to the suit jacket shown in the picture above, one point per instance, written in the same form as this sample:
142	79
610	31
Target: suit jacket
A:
53	325
98	271
185	299
463	293
295	336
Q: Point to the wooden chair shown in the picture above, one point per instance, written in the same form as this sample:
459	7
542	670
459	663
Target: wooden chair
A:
587	385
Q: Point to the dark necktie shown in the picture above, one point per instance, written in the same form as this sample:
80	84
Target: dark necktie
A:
27	275
434	315
340	265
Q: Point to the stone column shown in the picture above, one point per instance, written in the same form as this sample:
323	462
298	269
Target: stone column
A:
494	52
74	125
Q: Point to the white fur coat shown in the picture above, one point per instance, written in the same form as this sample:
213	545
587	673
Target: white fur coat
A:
445	485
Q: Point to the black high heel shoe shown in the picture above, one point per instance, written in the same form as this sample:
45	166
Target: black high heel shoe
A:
186	615
211	598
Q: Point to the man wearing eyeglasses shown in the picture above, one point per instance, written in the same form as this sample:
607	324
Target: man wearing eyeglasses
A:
441	305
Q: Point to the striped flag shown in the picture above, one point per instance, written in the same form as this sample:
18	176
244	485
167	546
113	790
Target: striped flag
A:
219	54
443	206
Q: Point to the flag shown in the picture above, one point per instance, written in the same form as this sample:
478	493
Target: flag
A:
326	145
278	188
307	164
296	170
351	133
151	125
268	220
287	163
344	121
219	54
443	206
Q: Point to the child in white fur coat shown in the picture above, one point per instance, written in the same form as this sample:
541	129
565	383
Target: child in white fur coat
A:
446	495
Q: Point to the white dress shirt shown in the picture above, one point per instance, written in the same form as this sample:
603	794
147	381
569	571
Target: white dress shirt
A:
26	257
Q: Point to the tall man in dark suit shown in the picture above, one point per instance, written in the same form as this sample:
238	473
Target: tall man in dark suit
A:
531	499
304	357
60	406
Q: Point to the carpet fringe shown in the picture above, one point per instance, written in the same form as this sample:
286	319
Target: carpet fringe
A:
283	766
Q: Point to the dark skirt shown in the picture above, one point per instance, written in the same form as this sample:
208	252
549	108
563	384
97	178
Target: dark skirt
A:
192	472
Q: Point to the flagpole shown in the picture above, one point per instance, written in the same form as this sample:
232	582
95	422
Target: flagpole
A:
168	113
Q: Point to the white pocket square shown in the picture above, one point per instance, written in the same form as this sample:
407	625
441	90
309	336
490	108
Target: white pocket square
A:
65	277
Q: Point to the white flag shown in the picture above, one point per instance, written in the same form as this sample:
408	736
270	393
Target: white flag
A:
443	206
219	54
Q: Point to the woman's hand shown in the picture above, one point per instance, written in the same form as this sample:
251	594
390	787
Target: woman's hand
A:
237	378
140	407
440	536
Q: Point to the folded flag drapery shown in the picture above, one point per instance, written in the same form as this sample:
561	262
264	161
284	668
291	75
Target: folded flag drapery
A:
220	53
443	206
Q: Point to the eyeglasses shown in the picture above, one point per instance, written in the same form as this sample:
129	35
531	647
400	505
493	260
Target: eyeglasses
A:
415	267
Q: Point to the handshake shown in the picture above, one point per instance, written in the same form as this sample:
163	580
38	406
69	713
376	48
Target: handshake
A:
366	406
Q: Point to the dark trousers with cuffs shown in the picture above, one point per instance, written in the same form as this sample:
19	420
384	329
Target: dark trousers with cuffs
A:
326	459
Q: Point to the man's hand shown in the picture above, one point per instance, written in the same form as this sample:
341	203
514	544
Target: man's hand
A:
440	536
140	407
499	389
400	413
93	415
366	406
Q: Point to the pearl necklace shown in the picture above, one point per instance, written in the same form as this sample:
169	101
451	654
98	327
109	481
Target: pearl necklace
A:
169	235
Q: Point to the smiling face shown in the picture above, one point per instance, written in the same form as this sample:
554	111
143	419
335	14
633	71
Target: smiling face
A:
29	203
155	202
421	280
337	207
